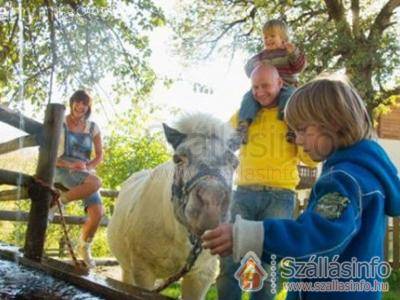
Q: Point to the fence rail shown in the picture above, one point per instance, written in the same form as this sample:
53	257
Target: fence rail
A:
22	194
392	243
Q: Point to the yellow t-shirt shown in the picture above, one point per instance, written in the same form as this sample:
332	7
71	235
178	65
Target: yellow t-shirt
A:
267	158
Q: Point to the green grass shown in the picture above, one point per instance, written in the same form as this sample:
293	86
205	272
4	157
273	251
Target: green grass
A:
394	287
174	291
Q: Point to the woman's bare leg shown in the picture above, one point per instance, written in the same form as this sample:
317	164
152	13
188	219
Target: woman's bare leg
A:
95	212
91	185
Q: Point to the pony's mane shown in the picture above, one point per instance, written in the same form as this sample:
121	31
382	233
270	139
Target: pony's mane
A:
204	124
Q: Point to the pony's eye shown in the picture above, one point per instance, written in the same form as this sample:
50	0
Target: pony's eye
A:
177	159
180	159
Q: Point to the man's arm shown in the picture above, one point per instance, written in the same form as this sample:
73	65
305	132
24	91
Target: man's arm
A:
234	120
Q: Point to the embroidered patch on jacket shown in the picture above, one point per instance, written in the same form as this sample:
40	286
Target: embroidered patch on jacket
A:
331	205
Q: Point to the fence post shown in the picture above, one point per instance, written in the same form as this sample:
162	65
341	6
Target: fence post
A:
396	243
37	222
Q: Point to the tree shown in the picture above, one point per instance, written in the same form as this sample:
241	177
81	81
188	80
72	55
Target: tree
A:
74	44
131	148
360	36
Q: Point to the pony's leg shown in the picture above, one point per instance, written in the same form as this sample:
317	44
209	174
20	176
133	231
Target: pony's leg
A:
143	276
138	276
127	276
195	287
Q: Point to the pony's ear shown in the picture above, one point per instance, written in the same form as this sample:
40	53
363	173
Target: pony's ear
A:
174	137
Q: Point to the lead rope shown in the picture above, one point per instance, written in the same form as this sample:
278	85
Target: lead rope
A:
191	259
79	265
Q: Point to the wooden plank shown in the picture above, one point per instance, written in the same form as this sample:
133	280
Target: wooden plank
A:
19	216
15	178
18	143
13	118
105	287
389	125
99	262
13	194
396	243
41	196
109	193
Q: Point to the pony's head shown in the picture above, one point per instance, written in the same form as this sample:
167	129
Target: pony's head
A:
204	167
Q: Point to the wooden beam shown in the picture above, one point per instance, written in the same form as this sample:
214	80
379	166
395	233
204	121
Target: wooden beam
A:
40	193
13	118
95	284
18	143
100	262
109	193
15	178
20	216
396	243
14	194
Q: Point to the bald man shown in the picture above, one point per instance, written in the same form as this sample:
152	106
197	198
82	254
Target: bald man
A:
250	105
267	174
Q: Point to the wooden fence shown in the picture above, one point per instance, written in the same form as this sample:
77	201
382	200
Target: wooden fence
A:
392	243
22	194
38	189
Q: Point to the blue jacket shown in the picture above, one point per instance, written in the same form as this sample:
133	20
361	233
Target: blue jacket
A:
367	188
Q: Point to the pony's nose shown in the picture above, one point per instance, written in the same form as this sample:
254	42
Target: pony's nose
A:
211	192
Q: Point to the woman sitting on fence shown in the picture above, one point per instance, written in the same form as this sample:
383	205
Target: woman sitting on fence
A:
76	171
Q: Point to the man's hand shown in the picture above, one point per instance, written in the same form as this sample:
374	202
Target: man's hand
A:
219	240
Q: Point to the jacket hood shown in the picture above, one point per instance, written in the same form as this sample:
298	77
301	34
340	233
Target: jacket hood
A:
371	156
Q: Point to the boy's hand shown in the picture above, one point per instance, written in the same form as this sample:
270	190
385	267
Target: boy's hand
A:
219	240
289	47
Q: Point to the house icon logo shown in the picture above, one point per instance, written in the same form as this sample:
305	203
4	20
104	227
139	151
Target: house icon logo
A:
251	274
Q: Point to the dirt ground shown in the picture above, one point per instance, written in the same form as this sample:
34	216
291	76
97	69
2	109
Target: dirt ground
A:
113	272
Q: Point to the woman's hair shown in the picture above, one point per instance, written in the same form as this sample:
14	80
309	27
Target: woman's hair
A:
335	106
277	26
82	96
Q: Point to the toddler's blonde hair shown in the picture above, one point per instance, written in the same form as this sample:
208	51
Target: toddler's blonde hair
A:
277	26
334	105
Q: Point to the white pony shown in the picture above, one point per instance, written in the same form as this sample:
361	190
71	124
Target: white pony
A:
161	213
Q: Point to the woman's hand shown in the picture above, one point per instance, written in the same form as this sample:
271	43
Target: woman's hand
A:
219	240
78	166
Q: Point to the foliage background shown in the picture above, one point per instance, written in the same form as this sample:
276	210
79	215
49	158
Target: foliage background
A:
360	37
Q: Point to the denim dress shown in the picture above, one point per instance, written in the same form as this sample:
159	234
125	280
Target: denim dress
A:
77	147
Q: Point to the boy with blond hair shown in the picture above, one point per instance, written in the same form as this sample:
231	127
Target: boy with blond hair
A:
343	227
